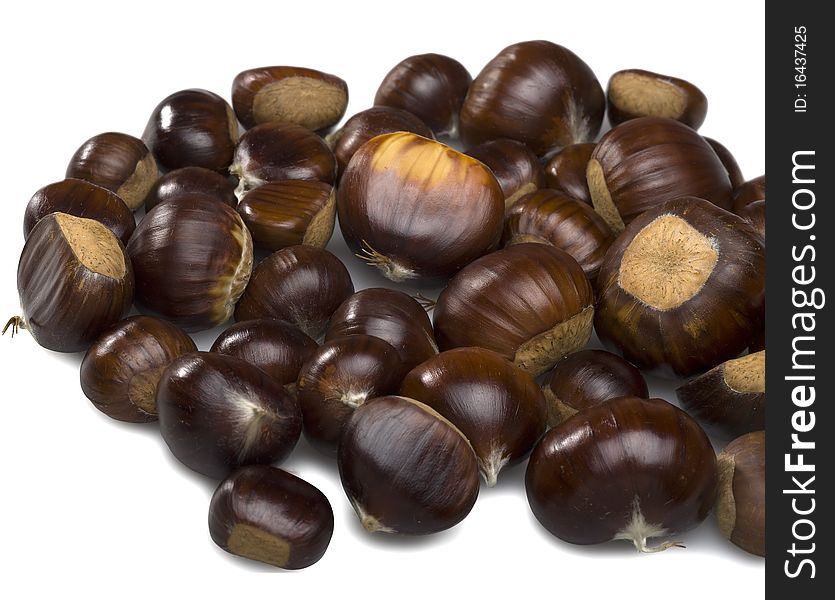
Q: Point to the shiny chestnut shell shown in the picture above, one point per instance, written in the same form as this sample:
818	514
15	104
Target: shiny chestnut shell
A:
515	167
728	161
634	93
754	213
566	171
191	181
740	504
749	192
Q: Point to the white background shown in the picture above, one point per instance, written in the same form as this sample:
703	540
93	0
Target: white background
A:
98	508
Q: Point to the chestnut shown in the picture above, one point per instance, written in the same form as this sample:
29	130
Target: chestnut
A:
628	469
588	378
405	468
740	503
191	181
117	162
341	375
390	315
74	280
754	213
730	397
536	92
300	284
430	86
218	412
566	171
515	167
286	213
758	341
749	192
192	128
121	370
683	287
269	515
278	151
634	93
644	162
728	161
496	405
415	208
80	199
552	217
531	303
193	258
306	97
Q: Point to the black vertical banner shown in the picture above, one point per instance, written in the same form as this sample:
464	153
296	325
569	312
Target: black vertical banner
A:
800	435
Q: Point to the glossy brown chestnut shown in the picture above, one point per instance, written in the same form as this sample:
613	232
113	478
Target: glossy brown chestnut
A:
730	397
190	181
74	280
300	284
405	468
80	199
390	315
682	288
516	168
531	303
121	370
266	514
628	469
218	412
117	162
740	504
728	161
306	97
754	213
431	86
416	208
646	161
588	378
536	92
496	405
193	258
634	93
749	192
340	376
192	128
551	217
286	213
566	171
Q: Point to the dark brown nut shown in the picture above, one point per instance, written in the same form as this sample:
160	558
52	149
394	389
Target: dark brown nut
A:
634	93
121	370
682	288
430	86
728	161
628	469
588	378
192	128
74	280
341	375
117	162
531	303
516	168
218	412
536	92
496	405
757	342
193	258
405	468
416	208
266	514
566	171
740	505
754	213
646	161
749	192
286	213
552	217
306	97
80	199
303	285
191	181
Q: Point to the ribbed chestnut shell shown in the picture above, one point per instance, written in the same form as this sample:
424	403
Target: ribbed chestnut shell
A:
566	171
740	505
515	167
634	93
190	181
728	161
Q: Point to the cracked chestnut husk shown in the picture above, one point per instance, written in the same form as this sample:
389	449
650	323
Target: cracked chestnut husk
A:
566	171
341	375
191	181
536	92
121	370
405	468
416	208
682	288
515	167
628	469
740	502
269	515
728	161
531	303
634	93
117	162
193	258
496	405
218	412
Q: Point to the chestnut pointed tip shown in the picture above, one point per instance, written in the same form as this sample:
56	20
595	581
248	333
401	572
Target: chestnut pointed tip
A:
16	323
638	531
369	522
492	465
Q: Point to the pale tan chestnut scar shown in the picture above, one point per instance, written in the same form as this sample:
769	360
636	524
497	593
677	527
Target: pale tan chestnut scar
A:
320	229
541	352
667	263
649	95
142	389
725	507
136	187
231	288
601	199
251	542
93	244
746	374
307	101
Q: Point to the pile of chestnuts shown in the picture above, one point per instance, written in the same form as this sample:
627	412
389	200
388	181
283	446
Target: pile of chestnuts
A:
541	225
